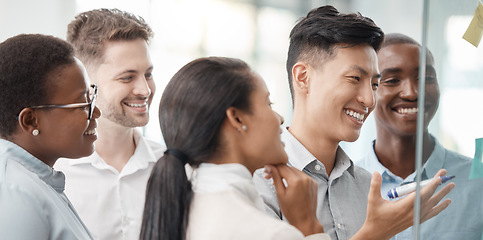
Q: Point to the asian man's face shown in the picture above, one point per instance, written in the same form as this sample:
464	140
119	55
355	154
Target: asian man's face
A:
341	92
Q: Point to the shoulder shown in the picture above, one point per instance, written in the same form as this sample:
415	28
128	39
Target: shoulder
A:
16	176
156	147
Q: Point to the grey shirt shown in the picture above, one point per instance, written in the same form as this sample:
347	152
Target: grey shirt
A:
342	196
32	200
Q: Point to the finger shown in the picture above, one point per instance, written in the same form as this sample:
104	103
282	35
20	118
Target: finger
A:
277	179
436	210
375	189
436	198
428	191
290	174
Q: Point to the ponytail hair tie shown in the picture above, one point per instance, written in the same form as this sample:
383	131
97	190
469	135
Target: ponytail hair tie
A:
177	154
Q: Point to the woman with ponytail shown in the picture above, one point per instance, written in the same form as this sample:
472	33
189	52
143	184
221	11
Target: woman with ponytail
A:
216	116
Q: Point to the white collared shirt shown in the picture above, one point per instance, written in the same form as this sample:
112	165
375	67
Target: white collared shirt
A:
226	205
110	203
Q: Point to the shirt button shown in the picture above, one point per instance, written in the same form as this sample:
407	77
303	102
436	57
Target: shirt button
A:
339	226
388	178
317	167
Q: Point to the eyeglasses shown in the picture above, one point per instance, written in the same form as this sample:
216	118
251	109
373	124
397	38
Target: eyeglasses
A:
91	105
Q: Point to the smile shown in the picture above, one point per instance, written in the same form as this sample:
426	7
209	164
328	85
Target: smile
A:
90	132
407	110
136	105
358	116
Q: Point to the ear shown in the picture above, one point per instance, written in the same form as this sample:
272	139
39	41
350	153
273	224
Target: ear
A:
27	120
236	118
300	77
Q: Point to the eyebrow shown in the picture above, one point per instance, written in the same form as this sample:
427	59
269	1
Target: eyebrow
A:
363	71
134	71
391	70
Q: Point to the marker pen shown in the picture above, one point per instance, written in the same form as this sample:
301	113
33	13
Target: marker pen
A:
411	187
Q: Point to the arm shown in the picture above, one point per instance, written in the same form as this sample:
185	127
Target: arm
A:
300	191
387	218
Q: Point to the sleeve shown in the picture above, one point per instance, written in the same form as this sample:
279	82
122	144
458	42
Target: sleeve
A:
286	231
267	192
21	215
319	236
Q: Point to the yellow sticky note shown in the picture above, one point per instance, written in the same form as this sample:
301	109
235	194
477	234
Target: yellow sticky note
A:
475	30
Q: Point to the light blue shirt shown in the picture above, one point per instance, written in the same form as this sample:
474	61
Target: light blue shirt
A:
463	217
341	197
32	202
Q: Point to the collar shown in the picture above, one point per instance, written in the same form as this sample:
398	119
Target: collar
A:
299	157
434	163
209	177
143	155
12	151
436	160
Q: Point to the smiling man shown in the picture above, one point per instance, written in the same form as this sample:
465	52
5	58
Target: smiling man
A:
333	72
394	150
108	187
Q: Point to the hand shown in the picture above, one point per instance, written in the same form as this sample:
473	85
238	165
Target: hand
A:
300	191
387	218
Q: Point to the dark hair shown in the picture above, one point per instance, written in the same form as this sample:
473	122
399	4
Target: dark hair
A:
399	38
90	30
191	113
28	63
316	36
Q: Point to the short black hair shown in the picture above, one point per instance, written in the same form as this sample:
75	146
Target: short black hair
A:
398	38
316	36
27	63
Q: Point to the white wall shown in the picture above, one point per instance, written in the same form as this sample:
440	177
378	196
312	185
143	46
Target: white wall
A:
35	16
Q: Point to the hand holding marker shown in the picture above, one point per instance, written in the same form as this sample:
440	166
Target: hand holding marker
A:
411	187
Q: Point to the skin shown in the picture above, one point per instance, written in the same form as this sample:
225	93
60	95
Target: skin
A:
259	145
62	132
126	89
326	93
396	108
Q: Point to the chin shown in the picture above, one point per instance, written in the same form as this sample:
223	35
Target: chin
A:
351	137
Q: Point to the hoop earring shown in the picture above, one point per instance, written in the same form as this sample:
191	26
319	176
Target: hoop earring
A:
35	132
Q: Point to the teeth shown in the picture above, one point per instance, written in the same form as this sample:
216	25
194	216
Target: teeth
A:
356	115
407	110
90	132
136	105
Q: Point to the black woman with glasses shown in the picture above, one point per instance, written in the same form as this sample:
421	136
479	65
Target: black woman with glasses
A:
47	111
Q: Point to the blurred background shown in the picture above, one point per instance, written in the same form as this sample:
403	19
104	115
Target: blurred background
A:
257	31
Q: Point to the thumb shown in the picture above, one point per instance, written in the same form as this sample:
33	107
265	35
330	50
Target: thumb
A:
277	179
375	190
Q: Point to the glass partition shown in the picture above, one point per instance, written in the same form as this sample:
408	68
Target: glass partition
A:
456	126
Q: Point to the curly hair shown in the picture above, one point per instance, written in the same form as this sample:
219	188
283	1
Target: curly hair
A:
316	36
90	30
28	63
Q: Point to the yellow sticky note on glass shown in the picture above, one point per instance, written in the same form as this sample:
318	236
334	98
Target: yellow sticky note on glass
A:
475	30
